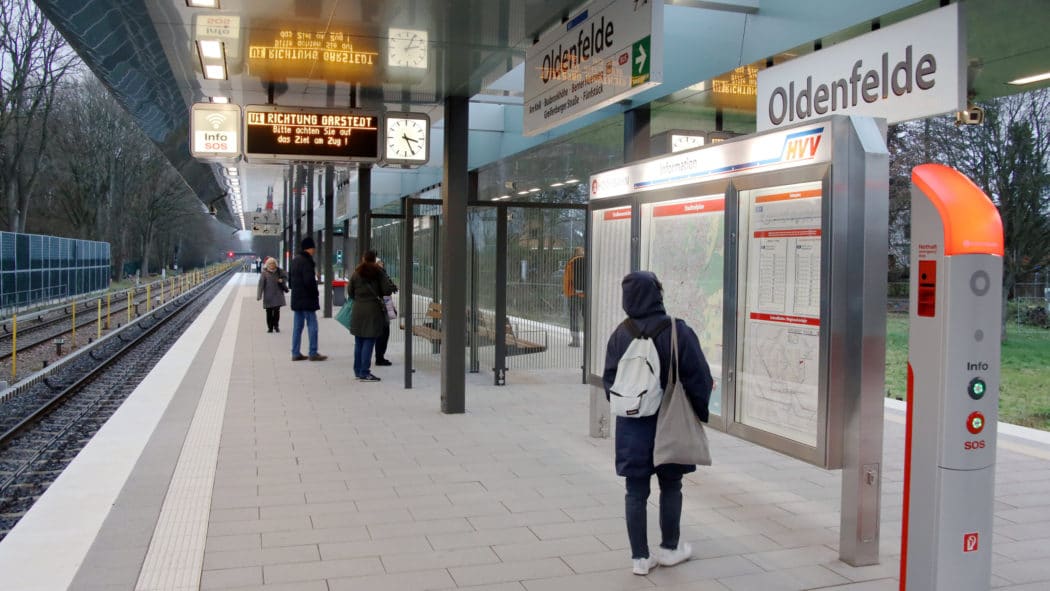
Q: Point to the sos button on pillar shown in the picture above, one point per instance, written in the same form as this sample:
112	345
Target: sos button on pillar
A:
975	422
976	388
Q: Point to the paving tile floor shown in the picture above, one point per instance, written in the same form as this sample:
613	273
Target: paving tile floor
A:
326	483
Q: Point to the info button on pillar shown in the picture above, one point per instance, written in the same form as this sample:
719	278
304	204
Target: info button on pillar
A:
975	422
977	388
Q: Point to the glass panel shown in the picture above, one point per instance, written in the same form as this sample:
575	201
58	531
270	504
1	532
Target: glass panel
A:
683	242
610	260
7	251
22	251
779	342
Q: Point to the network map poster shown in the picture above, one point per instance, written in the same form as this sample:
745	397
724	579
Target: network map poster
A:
683	243
780	339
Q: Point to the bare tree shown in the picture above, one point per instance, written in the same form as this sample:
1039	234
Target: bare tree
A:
1008	156
33	60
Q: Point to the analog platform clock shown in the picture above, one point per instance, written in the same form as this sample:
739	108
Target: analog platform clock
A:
407	48
681	142
407	138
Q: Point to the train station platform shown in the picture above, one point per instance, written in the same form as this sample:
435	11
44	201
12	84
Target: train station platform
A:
232	467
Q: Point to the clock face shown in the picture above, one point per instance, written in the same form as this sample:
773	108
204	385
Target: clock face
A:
684	142
407	48
406	139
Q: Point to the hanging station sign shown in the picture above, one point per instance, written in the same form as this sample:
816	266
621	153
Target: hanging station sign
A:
294	133
913	69
215	131
608	51
279	52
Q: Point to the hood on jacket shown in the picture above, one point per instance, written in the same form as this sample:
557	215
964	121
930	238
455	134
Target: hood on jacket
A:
642	294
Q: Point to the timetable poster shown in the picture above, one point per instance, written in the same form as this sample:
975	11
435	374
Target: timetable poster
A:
609	262
683	243
780	341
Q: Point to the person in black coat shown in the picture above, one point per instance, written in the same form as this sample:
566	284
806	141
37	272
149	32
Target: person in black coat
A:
302	278
367	286
643	302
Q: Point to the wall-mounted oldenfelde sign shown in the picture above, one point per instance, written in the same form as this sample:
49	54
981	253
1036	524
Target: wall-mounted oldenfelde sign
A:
913	69
296	133
215	131
608	51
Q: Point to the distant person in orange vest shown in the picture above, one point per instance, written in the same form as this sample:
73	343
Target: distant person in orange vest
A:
573	281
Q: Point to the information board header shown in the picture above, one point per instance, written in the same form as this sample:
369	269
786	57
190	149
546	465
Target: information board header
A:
913	69
291	133
803	145
608	51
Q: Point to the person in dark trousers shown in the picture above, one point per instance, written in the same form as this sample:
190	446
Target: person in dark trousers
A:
384	338
302	278
643	303
367	286
573	281
273	284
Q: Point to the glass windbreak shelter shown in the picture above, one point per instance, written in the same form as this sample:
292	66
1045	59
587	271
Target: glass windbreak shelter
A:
36	268
772	248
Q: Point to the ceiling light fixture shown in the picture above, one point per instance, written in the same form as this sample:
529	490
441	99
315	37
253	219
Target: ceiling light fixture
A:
210	49
572	181
1030	79
202	3
534	190
215	72
523	192
556	185
220	100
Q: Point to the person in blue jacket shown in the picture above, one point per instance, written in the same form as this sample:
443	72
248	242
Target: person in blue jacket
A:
644	304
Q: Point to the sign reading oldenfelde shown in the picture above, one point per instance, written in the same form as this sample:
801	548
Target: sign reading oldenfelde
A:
913	69
608	51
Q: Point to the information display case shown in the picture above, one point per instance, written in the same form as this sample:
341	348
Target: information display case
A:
773	247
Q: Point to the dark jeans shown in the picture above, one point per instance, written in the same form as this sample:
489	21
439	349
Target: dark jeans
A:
363	355
575	315
382	341
300	318
670	511
273	318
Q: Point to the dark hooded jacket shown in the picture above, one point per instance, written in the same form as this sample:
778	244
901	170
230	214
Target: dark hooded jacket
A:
367	286
302	279
644	304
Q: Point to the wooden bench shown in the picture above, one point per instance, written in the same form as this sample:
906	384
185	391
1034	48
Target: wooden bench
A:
514	343
430	329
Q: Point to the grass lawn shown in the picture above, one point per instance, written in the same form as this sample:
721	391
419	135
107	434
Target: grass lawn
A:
1024	393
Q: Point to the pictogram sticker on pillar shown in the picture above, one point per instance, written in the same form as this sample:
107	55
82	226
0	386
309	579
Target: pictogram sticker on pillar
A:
970	542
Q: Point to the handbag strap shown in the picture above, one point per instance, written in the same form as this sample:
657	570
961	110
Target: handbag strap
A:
674	351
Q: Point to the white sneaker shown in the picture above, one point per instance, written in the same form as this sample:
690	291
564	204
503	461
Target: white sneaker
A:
641	566
672	557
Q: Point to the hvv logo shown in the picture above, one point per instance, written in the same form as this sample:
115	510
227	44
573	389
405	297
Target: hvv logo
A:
802	146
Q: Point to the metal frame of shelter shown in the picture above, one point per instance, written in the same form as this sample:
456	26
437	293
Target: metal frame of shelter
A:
409	215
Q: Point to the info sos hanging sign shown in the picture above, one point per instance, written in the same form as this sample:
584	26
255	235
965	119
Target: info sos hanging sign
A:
215	131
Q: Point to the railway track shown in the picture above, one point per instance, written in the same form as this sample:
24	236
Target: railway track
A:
44	426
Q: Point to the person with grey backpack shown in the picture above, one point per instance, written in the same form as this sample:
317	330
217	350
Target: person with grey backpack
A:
636	432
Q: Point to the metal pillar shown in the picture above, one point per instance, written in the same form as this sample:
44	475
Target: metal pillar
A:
364	210
309	181
500	367
329	236
408	208
286	227
455	193
858	377
297	208
636	137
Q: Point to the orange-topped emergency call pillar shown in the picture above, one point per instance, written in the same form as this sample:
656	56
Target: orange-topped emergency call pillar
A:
953	383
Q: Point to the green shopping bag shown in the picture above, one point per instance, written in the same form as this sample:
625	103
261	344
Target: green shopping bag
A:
343	316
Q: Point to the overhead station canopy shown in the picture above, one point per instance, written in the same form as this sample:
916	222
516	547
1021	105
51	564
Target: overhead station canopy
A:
161	56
